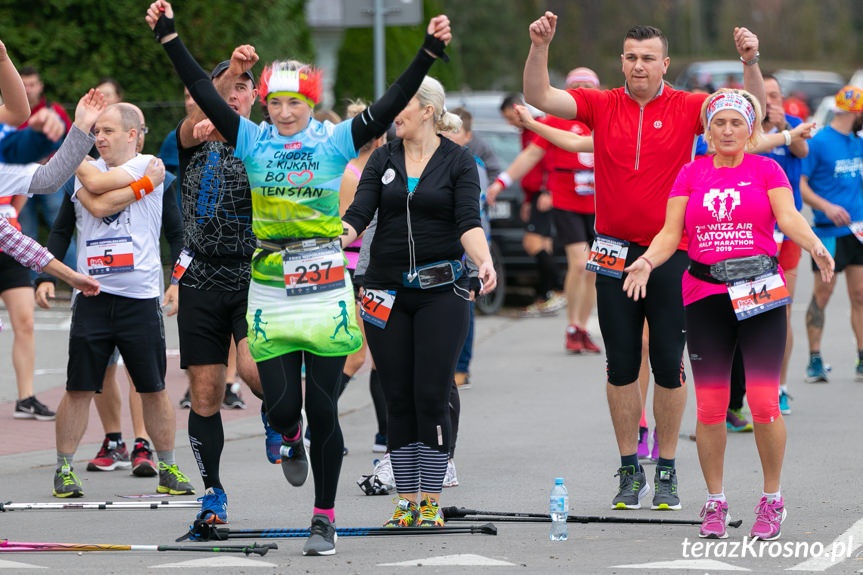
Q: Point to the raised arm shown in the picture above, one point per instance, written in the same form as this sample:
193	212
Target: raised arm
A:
160	18
561	138
15	109
375	119
538	91
753	82
798	136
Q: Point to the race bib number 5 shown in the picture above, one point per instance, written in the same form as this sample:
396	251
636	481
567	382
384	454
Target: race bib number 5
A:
314	271
110	255
752	297
376	306
607	256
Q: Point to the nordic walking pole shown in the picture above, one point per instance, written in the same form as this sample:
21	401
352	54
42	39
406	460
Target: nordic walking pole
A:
99	505
463	514
206	532
7	546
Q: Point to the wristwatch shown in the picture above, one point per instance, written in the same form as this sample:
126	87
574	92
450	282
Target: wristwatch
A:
753	61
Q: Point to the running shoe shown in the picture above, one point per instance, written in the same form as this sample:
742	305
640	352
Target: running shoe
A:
573	343
451	478
381	481
186	401
430	514
232	397
32	408
214	507
322	537
66	483
654	451
769	516
665	489
587	343
307	438
784	396
173	481
715	515
112	455
735	421
816	370
143	464
272	440
553	304
295	463
407	514
633	487
380	444
858	371
643	447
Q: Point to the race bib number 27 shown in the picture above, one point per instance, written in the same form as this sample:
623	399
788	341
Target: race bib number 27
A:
376	306
607	256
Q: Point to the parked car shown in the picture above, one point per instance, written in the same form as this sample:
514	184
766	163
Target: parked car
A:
712	75
515	269
811	86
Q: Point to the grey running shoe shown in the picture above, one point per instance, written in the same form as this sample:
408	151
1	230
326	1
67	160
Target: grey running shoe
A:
66	483
186	401
173	481
633	487
233	400
295	463
665	489
322	540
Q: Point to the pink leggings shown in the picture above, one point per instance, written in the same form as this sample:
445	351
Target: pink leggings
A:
712	331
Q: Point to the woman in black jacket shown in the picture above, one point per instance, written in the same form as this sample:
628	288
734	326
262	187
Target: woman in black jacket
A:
426	191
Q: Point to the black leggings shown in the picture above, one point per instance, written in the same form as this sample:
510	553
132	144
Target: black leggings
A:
621	321
283	396
415	356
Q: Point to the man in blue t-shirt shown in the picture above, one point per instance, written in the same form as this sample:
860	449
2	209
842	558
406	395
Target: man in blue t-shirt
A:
790	157
831	183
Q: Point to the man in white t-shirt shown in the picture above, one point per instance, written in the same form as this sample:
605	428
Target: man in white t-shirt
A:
118	212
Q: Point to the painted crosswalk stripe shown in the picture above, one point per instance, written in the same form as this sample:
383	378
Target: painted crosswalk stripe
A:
698	564
463	560
849	542
215	562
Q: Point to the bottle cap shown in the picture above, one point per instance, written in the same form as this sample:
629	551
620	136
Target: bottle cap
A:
558	480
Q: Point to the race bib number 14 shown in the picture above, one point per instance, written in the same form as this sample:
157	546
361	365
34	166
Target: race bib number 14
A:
607	256
752	297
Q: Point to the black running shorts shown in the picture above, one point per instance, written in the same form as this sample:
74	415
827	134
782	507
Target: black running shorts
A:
12	274
103	322
848	252
573	227
538	222
206	321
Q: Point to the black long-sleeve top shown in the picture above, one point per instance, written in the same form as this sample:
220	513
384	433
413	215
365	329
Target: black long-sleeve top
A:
443	206
373	122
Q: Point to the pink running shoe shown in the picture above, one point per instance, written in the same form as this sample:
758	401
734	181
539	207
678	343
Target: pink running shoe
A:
715	515
769	516
643	447
654	453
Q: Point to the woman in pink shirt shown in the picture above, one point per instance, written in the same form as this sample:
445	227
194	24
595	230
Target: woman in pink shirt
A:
734	293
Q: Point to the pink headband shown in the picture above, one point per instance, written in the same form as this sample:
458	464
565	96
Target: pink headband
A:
731	101
577	77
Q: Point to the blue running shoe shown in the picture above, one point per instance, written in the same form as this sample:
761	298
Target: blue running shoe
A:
816	371
858	371
273	440
784	408
214	506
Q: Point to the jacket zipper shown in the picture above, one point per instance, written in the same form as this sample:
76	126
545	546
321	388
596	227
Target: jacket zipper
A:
638	143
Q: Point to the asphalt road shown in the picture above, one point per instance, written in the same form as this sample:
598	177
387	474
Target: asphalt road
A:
534	413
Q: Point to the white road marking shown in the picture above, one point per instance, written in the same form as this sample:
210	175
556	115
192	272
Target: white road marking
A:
848	542
16	565
221	561
697	564
464	560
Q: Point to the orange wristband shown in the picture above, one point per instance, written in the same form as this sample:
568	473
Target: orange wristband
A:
141	187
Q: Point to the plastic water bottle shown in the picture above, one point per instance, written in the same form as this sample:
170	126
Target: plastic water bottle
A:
558	507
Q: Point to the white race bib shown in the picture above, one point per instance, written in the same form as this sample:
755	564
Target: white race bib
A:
110	255
755	296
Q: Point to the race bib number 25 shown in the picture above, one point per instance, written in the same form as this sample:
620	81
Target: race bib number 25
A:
607	256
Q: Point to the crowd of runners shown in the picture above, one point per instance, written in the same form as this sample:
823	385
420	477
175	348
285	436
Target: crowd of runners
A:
302	243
